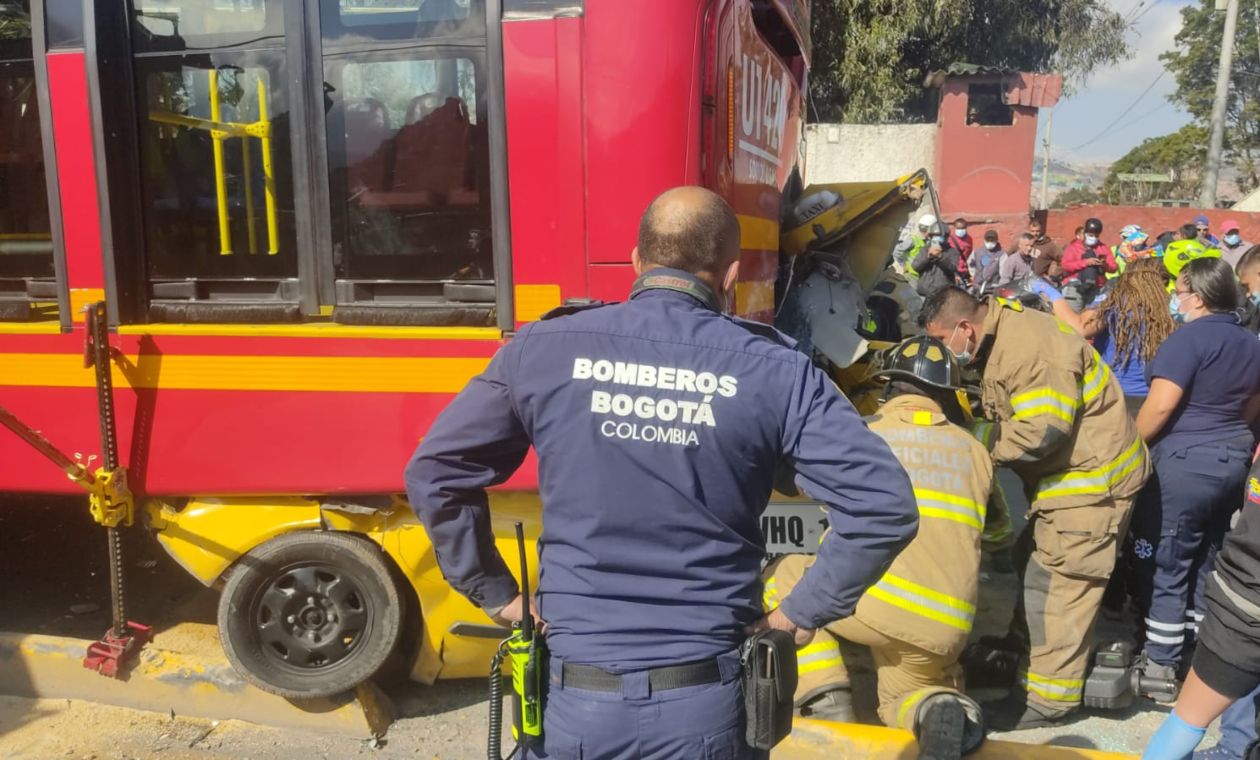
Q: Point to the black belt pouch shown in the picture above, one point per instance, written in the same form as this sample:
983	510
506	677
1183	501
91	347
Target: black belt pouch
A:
769	663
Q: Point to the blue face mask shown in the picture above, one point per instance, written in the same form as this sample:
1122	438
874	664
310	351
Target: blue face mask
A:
1233	238
1174	309
960	233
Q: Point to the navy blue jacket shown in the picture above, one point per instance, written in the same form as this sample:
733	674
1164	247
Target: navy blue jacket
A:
660	425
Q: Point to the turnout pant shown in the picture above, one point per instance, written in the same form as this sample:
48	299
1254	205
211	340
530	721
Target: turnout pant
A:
906	674
694	721
1073	555
1182	517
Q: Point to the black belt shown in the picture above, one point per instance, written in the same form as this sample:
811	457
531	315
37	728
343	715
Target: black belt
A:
592	678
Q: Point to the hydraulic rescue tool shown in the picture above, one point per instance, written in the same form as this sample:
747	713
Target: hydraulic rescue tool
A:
526	650
109	499
1116	675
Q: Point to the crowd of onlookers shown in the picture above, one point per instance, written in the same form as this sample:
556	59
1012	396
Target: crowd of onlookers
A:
1176	317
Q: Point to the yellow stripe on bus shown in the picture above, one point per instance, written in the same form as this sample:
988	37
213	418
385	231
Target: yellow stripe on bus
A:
754	296
758	233
252	373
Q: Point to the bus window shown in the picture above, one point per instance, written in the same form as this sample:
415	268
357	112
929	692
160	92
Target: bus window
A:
216	187
346	21
27	279
409	174
181	24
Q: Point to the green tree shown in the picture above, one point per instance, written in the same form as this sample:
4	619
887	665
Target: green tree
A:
1194	61
1075	196
871	56
1179	155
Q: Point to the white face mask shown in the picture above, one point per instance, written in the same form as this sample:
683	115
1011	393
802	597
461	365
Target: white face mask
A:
990	245
1091	240
960	233
964	356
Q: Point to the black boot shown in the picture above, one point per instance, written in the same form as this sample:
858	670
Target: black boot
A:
1020	716
942	724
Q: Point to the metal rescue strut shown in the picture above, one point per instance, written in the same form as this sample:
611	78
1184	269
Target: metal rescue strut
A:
109	499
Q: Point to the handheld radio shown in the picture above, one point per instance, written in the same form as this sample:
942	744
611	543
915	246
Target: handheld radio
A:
526	651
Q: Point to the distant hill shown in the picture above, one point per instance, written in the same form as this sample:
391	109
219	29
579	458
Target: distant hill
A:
1065	175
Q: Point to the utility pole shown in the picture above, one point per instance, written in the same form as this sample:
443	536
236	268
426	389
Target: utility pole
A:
1212	171
1045	167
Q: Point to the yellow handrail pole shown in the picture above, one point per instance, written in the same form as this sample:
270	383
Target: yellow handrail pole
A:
269	181
247	177
220	174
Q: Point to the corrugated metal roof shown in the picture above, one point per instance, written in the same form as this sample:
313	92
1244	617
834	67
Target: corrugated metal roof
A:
962	69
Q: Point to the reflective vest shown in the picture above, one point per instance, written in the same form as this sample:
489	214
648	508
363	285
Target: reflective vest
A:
928	596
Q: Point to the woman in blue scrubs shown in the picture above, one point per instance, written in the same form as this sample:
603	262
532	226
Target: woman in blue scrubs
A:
1204	394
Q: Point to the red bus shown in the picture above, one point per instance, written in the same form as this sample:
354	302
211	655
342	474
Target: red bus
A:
311	223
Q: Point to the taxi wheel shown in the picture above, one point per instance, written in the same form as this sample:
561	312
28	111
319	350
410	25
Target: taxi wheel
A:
309	615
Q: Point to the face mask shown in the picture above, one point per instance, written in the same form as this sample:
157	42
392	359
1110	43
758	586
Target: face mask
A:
1255	299
938	240
1233	238
1174	309
960	233
991	246
964	357
1091	240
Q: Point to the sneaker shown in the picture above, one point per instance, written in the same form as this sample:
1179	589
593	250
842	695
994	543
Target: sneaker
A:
941	728
1158	682
835	705
1021	716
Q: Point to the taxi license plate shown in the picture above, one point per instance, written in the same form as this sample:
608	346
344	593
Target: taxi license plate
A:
793	527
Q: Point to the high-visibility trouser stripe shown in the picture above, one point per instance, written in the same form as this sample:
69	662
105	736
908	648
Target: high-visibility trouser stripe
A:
983	432
1165	633
1055	689
924	602
911	702
818	655
770	595
1041	401
1097	481
1095	380
947	506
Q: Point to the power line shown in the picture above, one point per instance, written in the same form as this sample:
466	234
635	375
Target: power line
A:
1128	17
1107	130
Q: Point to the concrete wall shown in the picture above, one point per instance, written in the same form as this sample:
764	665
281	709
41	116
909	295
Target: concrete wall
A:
867	152
1061	223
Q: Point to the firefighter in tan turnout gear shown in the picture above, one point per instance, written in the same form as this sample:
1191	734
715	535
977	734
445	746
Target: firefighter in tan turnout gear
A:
917	617
1056	416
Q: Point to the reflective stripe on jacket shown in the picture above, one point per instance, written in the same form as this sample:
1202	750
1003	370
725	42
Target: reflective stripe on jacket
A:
928	596
1057	412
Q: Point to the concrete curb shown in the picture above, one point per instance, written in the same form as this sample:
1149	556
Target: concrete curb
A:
38	666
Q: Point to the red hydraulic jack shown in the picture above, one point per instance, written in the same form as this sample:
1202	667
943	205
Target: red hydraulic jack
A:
109	499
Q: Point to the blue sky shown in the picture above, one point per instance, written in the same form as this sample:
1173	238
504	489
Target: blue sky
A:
1081	130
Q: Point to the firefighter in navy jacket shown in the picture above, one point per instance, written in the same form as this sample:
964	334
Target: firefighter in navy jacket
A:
660	426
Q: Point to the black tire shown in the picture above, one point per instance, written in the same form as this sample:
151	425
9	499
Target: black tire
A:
310	615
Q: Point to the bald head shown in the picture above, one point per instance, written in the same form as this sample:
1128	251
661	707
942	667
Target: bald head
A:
689	228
